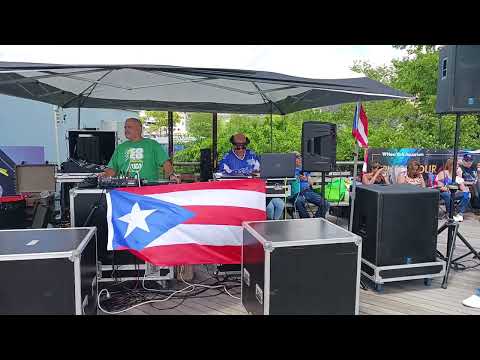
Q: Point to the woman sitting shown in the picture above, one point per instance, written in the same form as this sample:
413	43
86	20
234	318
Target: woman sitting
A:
443	180
413	175
377	175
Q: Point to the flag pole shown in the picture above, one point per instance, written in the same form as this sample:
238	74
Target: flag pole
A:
354	181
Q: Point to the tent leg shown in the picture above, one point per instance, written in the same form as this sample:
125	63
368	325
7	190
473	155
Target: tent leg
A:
214	141
56	120
271	127
170	135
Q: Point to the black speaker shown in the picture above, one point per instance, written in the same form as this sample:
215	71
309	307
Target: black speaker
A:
458	86
398	223
319	146
88	149
93	146
206	166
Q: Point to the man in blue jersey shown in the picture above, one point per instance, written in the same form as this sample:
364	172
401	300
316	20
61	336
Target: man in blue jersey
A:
243	161
239	160
306	193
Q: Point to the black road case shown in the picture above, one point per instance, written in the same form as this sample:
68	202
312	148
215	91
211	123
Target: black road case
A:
398	224
48	271
300	267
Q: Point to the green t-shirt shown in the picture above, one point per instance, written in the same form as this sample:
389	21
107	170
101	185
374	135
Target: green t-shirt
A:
145	156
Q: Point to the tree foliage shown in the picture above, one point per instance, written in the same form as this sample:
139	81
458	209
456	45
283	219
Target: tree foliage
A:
392	123
160	120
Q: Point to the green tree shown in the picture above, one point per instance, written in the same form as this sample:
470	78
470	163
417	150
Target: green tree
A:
392	123
199	125
160	118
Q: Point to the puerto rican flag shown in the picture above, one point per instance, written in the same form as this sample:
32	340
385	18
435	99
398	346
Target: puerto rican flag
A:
360	126
197	223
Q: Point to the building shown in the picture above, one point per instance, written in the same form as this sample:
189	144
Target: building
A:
32	123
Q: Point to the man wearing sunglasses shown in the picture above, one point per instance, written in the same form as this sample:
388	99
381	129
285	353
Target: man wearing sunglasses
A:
240	160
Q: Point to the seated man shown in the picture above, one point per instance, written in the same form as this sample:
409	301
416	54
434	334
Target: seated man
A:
275	207
239	160
470	175
243	161
306	194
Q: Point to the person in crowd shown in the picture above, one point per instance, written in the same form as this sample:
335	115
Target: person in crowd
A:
306	194
474	300
240	160
470	175
469	172
443	180
139	156
413	176
377	175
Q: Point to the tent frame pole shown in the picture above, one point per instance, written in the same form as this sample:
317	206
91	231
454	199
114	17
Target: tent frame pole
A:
214	141
170	134
354	178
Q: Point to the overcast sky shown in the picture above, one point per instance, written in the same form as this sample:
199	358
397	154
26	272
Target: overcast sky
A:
313	61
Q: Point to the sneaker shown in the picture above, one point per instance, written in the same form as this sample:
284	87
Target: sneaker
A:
473	301
458	218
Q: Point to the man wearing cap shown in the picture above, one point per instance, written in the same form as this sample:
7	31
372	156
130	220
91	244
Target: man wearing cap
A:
239	160
470	175
242	161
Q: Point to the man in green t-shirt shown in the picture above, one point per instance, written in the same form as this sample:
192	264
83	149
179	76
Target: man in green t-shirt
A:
139	156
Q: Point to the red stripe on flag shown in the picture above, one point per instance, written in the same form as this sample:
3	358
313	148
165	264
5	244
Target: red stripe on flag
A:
364	119
224	215
360	139
248	184
190	254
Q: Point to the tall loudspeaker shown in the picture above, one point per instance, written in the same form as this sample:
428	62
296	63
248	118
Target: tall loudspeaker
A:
458	86
319	146
206	166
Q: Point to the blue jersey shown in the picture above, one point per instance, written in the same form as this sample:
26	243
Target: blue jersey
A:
232	164
303	183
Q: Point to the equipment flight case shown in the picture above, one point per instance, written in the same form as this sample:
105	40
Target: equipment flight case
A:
300	267
48	271
398	224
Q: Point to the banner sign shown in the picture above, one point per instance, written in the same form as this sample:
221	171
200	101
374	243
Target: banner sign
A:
431	161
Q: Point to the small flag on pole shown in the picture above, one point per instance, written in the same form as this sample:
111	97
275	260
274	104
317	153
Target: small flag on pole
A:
360	126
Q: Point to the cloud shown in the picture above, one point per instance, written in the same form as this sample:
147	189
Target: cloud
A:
315	61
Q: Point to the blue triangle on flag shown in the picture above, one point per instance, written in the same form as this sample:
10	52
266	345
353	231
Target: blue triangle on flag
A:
164	217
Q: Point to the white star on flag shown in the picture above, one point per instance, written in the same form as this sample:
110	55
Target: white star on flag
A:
136	218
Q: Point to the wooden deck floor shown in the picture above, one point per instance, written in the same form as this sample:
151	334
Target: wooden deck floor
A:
399	298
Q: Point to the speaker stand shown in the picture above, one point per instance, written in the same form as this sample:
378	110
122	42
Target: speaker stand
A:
451	224
453	233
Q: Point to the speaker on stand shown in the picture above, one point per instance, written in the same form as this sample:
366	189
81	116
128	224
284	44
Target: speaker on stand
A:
458	92
319	148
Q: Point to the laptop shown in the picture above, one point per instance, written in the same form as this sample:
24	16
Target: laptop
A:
277	166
